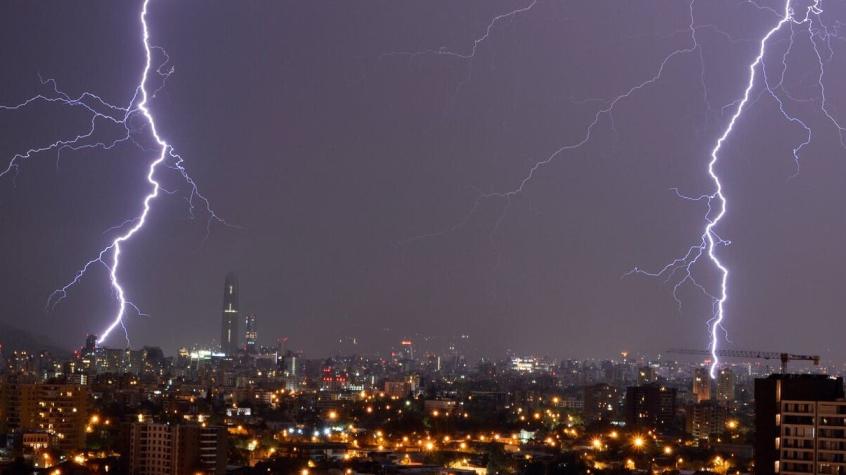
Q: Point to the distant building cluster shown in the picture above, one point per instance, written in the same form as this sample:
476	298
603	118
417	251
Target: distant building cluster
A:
241	407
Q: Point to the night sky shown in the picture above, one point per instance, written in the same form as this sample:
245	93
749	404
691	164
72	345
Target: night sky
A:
353	174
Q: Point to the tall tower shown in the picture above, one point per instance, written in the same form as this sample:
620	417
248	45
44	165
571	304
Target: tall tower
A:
250	334
229	329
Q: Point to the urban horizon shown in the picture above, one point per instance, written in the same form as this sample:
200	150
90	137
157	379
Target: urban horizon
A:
243	330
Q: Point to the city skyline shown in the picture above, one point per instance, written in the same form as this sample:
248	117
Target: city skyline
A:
104	410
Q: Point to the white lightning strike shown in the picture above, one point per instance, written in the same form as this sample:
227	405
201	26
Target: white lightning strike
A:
100	110
709	239
142	218
819	34
709	233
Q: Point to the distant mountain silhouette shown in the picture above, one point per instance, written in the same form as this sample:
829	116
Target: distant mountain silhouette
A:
13	338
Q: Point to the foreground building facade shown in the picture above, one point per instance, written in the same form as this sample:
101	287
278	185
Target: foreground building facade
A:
162	449
797	426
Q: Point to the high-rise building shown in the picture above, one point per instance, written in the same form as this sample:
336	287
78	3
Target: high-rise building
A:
229	328
87	356
601	402
793	418
397	389
250	334
90	344
701	384
651	406
811	438
21	364
291	370
59	410
706	419
407	350
725	385
177	449
332	378
119	361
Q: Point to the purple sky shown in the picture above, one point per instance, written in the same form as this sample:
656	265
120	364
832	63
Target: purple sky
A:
354	173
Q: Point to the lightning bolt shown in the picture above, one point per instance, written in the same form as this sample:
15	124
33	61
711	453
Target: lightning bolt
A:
109	257
704	249
115	247
716	201
814	18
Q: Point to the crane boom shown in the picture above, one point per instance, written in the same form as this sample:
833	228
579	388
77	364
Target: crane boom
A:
749	354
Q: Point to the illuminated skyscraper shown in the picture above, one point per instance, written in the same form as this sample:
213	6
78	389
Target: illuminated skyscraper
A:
250	334
229	328
701	384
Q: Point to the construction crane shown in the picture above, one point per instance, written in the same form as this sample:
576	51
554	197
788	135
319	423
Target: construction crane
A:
754	355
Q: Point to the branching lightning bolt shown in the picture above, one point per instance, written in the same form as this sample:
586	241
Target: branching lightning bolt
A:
681	269
716	201
101	110
139	223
